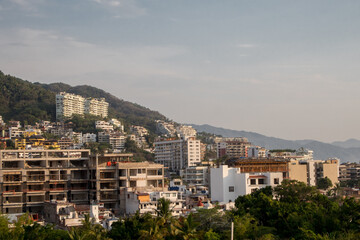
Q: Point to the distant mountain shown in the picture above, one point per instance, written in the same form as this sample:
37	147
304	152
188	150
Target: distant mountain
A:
30	102
350	143
321	150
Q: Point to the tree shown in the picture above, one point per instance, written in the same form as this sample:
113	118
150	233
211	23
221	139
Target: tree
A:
187	227
324	183
163	209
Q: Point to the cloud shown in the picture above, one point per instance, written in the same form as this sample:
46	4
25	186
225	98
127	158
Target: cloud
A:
27	5
47	53
245	45
122	8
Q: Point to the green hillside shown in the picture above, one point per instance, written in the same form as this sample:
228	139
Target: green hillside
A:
30	102
25	101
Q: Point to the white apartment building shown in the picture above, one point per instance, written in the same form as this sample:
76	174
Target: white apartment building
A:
88	137
139	130
165	128
117	123
106	126
116	140
226	184
185	132
2	123
192	152
15	132
68	104
146	202
177	154
97	106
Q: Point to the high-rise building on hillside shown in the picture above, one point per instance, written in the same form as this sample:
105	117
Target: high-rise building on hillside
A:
97	106
68	104
177	154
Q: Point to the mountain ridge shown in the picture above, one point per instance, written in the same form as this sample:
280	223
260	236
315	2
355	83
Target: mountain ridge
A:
321	150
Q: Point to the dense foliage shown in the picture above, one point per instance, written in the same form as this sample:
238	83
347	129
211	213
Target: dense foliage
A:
22	100
302	212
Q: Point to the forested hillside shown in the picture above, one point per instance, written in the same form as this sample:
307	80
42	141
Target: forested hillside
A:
22	100
30	102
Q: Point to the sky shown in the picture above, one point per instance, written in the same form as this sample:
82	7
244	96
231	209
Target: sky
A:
281	68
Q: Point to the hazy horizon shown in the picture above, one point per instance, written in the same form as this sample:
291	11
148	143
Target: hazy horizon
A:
285	69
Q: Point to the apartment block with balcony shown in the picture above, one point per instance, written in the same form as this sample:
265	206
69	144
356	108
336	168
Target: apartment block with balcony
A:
68	104
113	175
177	154
233	147
28	178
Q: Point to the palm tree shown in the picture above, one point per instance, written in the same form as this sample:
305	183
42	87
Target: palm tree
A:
163	209
187	227
77	234
156	230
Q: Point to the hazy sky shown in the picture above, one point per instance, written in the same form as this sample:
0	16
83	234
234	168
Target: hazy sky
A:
287	69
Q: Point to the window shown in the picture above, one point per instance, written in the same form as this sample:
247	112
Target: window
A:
261	181
231	188
252	181
276	181
253	190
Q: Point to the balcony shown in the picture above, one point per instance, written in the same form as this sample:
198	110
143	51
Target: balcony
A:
36	178
11	178
58	177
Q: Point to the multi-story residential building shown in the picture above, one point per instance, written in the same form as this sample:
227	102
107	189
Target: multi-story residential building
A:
117	124
139	130
185	132
15	132
165	128
113	177
170	154
15	124
228	183
116	140
197	176
103	125
88	137
233	147
2	123
256	152
309	171
192	152
28	178
96	106
68	104
349	171
177	154
146	202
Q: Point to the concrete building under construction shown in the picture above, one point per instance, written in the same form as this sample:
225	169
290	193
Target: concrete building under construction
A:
29	178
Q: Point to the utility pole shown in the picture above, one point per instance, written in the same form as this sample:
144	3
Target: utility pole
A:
232	230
